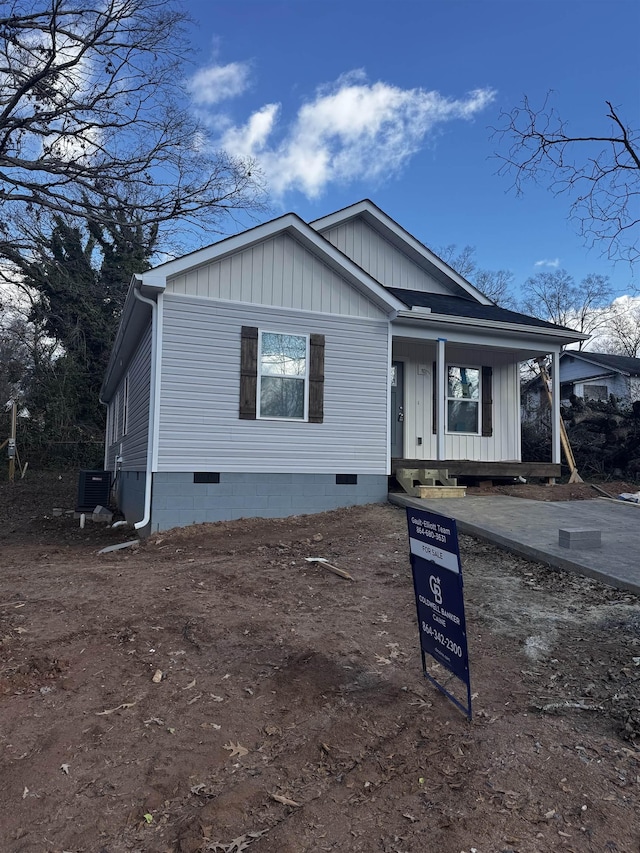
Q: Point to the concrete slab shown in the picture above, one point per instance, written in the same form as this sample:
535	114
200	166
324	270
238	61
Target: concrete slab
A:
531	529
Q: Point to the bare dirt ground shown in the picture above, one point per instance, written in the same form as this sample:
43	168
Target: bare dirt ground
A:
289	712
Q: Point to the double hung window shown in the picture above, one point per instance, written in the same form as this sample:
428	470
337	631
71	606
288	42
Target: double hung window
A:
463	399
283	373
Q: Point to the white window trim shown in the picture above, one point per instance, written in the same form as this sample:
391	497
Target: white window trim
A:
478	430
262	417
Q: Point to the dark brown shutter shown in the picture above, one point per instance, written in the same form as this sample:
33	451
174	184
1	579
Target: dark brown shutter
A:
316	379
434	382
487	401
248	372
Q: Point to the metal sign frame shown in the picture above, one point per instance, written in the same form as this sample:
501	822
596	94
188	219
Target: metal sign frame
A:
438	587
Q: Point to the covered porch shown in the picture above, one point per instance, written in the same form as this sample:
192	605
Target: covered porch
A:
455	390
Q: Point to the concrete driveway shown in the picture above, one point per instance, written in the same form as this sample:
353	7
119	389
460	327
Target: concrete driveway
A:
531	529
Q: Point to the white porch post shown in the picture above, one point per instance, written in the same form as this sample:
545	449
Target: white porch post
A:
441	360
555	408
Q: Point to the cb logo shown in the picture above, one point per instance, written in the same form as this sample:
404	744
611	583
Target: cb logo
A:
434	586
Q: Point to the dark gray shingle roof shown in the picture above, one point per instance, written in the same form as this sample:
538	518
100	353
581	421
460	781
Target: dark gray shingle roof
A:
621	363
458	306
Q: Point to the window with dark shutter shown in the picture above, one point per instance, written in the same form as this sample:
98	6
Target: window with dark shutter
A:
248	372
274	366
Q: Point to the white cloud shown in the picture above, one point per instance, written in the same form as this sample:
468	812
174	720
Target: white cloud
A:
351	129
553	263
217	83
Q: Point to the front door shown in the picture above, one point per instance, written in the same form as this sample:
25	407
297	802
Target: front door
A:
397	410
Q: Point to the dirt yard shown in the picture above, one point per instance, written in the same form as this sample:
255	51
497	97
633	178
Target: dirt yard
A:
210	690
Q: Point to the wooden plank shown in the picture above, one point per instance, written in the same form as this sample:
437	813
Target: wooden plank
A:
486	470
441	491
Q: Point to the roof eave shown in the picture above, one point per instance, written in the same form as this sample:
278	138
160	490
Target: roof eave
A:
567	335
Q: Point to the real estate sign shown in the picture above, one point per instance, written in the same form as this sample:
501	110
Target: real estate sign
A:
437	580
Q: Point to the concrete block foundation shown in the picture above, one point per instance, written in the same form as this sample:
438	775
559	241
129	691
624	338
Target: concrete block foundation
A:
177	500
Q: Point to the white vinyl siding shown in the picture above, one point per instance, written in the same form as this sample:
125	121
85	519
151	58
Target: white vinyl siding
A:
377	256
136	380
503	445
278	271
200	429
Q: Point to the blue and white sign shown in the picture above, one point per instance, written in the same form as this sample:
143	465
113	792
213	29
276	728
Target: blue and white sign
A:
437	580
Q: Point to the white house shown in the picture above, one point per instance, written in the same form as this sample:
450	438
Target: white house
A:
290	368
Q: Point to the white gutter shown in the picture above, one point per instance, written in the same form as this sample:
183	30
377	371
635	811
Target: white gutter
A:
146	519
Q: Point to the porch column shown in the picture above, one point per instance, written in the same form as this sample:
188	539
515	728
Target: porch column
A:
441	361
555	408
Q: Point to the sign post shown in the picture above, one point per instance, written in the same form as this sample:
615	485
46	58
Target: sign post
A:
437	581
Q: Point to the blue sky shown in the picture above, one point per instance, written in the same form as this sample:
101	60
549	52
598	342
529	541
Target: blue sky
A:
340	100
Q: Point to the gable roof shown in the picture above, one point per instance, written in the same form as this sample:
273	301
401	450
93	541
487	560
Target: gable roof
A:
289	223
618	363
458	307
404	242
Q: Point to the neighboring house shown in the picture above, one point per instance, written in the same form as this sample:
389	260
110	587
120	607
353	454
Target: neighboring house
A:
288	369
590	375
595	376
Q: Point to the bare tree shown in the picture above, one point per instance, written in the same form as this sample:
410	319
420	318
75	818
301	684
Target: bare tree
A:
555	296
621	334
599	172
94	117
496	284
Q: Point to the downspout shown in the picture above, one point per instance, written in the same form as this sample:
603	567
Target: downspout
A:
146	519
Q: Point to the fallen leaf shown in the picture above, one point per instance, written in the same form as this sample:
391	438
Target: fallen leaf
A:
280	798
235	749
65	768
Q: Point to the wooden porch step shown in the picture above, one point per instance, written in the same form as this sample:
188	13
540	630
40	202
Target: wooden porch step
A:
425	492
412	478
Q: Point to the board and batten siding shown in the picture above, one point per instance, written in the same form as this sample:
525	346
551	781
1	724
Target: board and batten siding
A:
200	428
505	443
132	446
377	256
278	271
